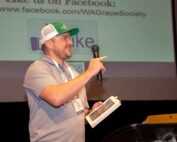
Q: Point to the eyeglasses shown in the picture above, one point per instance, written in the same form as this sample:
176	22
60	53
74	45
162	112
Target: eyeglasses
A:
66	37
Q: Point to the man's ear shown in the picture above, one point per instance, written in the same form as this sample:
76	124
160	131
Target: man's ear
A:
49	44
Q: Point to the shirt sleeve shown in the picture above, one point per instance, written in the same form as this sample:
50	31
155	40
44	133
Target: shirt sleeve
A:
38	77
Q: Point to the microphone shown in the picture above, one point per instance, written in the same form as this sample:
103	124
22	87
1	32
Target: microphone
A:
95	51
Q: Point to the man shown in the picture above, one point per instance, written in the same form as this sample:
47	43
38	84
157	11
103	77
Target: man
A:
55	92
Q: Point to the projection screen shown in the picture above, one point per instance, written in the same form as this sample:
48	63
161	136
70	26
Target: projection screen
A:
136	35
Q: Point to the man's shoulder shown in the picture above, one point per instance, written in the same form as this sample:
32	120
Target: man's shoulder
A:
39	65
38	62
42	62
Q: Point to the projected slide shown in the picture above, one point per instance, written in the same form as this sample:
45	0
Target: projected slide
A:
125	30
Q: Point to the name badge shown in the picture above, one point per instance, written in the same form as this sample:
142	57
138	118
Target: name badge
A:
77	104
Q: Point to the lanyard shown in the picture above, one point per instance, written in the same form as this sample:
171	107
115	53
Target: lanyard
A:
68	68
77	104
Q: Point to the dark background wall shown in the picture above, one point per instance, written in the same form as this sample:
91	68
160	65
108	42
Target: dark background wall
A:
15	116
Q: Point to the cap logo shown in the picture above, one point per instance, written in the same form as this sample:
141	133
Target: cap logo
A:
64	27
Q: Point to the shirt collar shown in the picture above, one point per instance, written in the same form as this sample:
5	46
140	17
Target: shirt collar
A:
49	60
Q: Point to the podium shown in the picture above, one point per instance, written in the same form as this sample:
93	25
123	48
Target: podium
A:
161	132
156	128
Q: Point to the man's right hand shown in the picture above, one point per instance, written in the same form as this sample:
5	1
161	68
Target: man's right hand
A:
95	66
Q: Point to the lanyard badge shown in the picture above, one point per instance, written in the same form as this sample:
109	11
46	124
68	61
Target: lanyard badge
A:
77	104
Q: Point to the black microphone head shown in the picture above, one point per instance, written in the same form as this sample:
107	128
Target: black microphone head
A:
95	51
95	48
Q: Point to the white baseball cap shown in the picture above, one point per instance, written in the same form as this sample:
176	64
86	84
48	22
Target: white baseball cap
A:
53	29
